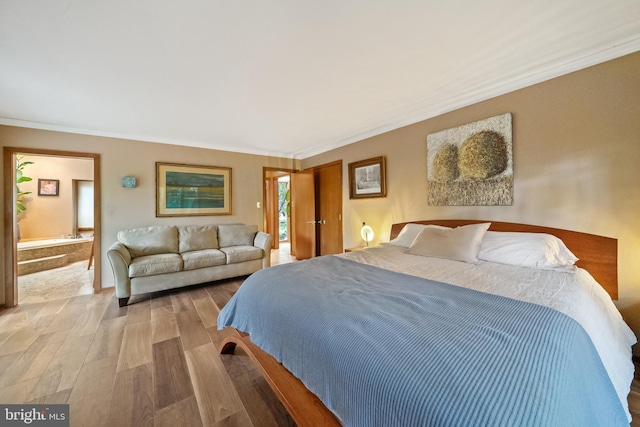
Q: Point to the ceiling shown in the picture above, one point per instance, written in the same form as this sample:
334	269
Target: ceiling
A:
288	78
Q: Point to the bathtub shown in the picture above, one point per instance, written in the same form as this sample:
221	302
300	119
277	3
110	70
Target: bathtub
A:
45	243
46	254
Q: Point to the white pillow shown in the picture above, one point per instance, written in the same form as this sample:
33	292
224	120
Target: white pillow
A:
409	233
535	250
459	244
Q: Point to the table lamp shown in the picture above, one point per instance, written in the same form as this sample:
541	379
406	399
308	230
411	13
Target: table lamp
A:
367	233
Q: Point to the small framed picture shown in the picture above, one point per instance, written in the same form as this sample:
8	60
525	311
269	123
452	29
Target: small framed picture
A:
48	187
367	179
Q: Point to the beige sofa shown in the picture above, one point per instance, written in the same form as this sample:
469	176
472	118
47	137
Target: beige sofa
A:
157	258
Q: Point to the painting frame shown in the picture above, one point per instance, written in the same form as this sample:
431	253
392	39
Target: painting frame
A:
192	190
472	164
48	187
367	178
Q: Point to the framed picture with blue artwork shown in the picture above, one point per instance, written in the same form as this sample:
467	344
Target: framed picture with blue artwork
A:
190	190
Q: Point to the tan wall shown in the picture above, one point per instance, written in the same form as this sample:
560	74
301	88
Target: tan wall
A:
576	142
51	216
135	207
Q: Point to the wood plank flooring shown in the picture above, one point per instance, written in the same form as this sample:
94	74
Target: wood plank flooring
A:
153	363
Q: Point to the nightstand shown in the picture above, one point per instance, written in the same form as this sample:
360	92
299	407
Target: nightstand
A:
356	248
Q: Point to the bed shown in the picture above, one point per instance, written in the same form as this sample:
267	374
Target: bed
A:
477	333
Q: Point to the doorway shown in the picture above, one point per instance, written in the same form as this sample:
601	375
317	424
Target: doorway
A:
276	196
316	211
82	207
11	224
284	212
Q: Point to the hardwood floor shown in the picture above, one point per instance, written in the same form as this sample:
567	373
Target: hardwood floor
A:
152	363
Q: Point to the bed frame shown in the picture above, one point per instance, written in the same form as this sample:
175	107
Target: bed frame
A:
597	254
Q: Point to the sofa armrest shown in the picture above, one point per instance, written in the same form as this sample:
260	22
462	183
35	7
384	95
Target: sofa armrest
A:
264	241
120	258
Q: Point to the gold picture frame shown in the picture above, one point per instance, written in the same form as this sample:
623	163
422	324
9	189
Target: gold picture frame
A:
192	190
367	178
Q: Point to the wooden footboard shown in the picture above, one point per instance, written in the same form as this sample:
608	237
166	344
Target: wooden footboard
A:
304	407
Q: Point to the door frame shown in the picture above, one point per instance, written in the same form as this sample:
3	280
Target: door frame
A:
266	171
10	242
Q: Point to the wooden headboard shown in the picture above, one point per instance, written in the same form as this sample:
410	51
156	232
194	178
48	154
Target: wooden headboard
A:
597	254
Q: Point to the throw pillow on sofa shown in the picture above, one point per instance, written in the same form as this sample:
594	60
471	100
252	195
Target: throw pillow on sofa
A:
236	235
159	239
197	237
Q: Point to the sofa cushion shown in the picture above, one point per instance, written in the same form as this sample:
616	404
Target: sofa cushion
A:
204	258
150	265
237	254
236	235
159	239
197	237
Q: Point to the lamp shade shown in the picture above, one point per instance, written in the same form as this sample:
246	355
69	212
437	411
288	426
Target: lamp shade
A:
367	233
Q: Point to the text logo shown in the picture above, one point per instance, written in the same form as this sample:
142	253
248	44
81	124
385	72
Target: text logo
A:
35	415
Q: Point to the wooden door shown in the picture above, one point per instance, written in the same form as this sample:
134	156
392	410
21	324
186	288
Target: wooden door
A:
303	242
271	209
328	189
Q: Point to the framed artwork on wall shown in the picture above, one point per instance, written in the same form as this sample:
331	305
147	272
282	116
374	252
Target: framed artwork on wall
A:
190	190
48	187
367	178
472	164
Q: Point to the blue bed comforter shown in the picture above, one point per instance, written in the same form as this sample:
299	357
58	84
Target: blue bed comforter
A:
381	348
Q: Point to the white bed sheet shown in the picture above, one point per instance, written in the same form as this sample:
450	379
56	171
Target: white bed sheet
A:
575	294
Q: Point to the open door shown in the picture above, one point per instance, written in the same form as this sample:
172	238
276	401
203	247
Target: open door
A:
303	215
270	208
328	197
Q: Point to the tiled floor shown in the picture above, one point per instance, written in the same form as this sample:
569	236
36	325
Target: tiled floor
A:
64	282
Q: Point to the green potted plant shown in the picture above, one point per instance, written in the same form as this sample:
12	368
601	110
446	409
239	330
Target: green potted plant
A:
20	178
